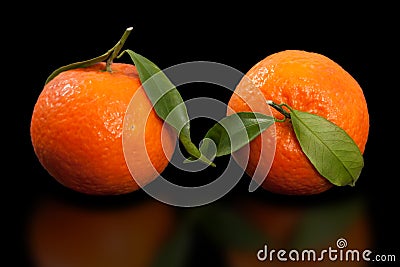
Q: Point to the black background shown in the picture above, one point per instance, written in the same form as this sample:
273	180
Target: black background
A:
361	39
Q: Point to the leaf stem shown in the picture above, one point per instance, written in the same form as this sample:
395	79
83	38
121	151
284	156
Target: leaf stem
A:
117	48
279	107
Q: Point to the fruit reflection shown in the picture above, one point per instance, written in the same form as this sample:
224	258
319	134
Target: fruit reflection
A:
63	234
301	227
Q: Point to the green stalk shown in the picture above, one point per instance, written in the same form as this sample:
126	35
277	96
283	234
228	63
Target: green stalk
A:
108	56
117	48
279	107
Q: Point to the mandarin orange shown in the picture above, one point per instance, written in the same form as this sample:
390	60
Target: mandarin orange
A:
309	82
77	127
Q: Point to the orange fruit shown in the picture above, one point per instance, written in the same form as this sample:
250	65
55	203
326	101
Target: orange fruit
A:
77	128
308	82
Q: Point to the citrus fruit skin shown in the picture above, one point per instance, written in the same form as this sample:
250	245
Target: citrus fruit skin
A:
308	82
77	127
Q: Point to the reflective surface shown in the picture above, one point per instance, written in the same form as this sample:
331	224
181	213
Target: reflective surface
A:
68	229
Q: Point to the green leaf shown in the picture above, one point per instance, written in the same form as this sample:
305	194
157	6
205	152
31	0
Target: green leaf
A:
162	93
329	148
109	55
207	149
195	153
166	100
235	131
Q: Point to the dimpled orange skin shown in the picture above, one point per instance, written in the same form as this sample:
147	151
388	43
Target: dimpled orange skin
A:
309	82
77	126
